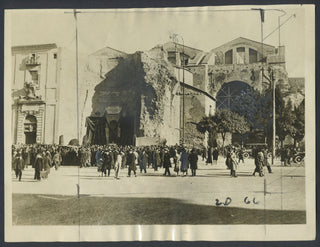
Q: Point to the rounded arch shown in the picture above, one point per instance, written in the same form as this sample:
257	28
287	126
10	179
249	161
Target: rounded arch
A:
228	92
30	119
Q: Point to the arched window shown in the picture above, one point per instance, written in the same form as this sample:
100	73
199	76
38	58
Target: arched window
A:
228	57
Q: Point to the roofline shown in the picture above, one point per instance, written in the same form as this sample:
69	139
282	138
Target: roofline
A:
34	47
184	45
256	42
242	38
197	90
108	48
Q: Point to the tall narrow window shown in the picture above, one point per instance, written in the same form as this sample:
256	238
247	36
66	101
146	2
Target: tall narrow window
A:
228	57
253	56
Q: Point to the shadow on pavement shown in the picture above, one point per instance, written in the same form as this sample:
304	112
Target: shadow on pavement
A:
95	210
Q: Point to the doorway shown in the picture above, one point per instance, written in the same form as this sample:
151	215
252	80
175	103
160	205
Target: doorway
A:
30	129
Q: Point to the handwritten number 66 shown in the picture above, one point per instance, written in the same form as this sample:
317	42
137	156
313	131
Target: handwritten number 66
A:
229	200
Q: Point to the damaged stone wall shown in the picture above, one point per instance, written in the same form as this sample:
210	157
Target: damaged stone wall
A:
143	85
194	112
218	75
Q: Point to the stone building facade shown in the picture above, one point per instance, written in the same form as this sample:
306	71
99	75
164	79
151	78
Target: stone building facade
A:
139	101
145	98
35	93
226	71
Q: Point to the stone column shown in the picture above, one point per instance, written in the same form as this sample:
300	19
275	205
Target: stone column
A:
234	55
20	126
40	124
246	56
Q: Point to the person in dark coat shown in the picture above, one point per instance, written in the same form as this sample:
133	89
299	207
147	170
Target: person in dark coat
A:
204	154
184	162
259	164
287	157
93	157
166	162
131	161
215	155
143	161
18	165
240	155
172	152
38	165
209	158
107	162
228	160
193	159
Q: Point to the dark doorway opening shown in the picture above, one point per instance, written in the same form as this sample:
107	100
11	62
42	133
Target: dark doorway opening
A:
113	132
126	129
30	129
31	137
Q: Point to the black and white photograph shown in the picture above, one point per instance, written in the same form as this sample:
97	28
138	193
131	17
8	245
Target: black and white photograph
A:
143	124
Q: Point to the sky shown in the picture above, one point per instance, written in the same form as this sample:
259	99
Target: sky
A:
132	30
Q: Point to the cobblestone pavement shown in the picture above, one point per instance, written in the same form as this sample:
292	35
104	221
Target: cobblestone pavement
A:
283	189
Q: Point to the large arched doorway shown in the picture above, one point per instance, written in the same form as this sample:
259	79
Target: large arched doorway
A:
228	93
227	98
30	129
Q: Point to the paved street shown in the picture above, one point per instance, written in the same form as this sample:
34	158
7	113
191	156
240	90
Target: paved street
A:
285	187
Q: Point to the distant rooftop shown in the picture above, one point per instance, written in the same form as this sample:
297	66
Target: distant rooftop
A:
34	47
105	50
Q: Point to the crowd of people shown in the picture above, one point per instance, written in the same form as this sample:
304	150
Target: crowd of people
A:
112	157
105	158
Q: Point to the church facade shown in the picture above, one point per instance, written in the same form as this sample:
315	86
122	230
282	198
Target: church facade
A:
35	93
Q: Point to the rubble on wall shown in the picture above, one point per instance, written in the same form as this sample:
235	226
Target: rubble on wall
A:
145	81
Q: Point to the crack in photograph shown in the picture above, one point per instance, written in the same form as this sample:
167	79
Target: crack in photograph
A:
192	123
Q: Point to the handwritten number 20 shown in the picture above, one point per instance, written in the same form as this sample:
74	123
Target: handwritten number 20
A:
225	203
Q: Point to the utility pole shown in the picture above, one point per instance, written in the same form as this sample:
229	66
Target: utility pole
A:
271	75
75	12
77	73
183	96
174	39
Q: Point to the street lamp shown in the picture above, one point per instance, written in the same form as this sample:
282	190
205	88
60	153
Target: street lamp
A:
174	38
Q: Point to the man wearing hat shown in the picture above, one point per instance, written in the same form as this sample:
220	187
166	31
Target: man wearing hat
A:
166	162
18	160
